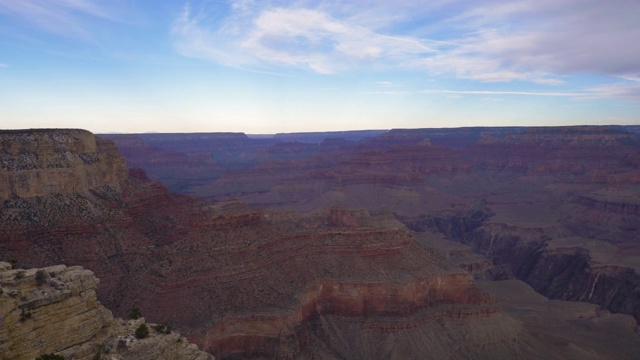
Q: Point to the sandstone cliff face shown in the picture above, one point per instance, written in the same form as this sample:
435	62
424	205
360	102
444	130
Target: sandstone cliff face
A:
55	310
45	162
48	310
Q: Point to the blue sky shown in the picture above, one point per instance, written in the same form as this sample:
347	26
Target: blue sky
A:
287	66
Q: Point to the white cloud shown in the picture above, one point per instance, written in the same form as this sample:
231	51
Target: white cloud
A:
490	92
62	17
627	90
387	93
292	37
538	41
311	38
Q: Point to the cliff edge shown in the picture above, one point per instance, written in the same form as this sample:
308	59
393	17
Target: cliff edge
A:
44	162
55	310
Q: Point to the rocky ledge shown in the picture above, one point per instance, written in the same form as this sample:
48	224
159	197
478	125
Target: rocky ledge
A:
55	310
60	161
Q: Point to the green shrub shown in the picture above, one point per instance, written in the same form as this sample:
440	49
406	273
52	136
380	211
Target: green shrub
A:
25	314
51	356
19	275
134	314
142	331
41	277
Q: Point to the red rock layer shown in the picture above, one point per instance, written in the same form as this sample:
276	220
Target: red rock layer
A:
446	296
206	269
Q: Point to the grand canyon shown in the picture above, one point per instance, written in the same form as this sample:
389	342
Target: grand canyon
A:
453	243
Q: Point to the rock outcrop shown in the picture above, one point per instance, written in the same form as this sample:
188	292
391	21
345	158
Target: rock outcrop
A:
45	162
55	310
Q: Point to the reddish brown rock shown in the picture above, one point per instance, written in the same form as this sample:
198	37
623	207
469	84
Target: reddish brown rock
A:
209	269
344	278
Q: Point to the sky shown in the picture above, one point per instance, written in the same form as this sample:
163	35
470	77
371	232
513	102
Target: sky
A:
261	67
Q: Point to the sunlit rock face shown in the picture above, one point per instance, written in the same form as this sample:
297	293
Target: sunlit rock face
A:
55	310
48	162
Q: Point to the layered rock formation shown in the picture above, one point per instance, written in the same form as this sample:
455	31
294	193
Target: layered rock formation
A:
240	281
555	183
55	310
345	278
44	162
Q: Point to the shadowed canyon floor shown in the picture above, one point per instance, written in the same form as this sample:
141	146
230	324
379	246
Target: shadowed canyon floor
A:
345	245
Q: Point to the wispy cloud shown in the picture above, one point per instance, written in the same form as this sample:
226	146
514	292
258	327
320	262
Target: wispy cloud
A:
616	91
542	39
313	39
307	38
3	65
489	92
627	90
387	84
538	41
387	93
62	17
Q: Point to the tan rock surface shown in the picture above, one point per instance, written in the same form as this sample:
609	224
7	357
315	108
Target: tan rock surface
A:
55	310
44	162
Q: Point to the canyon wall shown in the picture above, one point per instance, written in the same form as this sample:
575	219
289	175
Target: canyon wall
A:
238	280
575	182
331	249
44	162
55	310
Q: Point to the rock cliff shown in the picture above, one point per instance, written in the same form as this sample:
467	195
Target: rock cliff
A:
45	162
55	310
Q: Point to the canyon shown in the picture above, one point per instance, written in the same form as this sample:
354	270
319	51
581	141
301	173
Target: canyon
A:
55	310
425	243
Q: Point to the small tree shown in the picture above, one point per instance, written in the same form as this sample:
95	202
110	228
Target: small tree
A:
19	274
41	277
134	314
142	331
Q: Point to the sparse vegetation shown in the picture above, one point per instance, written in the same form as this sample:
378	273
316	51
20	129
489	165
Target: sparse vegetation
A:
25	314
162	328
102	349
142	331
51	356
19	275
134	314
41	277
